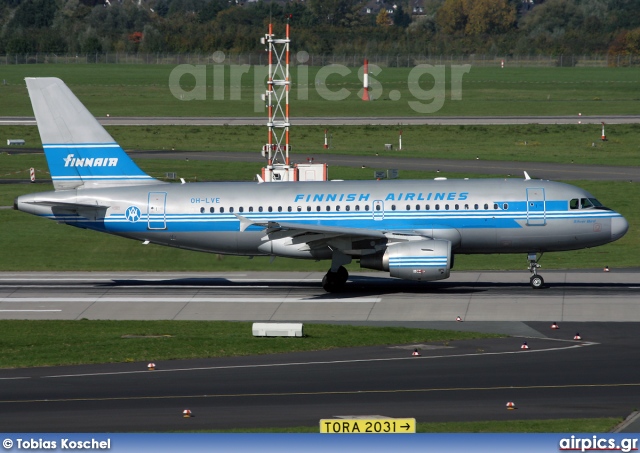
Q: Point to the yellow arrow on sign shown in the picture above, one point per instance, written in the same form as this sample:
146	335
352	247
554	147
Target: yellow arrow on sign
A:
368	426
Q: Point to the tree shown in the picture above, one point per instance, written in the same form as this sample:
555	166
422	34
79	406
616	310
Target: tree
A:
383	18
452	16
400	18
490	17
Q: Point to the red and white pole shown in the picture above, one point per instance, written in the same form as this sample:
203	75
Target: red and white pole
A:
400	141
326	143
604	137
32	174
365	81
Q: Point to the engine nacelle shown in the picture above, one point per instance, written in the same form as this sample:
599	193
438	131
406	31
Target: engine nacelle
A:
425	260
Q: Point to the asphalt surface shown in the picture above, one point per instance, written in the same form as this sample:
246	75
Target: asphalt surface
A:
557	377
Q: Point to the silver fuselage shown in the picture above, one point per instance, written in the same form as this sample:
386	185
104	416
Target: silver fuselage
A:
477	216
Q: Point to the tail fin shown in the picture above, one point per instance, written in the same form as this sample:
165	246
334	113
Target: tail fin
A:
79	151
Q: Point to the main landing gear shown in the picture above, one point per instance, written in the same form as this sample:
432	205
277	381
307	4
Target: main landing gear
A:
536	280
337	276
334	281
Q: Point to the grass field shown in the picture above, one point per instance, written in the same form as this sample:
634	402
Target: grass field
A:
143	90
582	425
51	343
524	143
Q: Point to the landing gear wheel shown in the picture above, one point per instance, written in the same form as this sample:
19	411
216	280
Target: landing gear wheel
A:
334	281
537	282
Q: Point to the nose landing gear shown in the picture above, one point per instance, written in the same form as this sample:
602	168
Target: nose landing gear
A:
536	280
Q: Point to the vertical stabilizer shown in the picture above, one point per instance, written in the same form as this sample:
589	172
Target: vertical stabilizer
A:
79	151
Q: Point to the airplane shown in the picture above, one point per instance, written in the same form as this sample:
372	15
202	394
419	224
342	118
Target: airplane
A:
409	228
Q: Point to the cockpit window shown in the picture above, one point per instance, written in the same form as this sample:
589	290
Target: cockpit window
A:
585	203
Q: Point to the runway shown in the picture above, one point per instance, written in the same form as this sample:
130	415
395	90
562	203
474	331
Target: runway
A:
349	121
577	296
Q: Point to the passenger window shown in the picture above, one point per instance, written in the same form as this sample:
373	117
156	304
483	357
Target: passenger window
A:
318	208
260	209
366	207
289	208
279	208
505	206
328	208
486	206
250	208
221	210
270	209
299	208
417	207
446	207
495	205
475	206
230	209
457	207
308	208
437	207
427	207
357	207
393	207
338	208
212	210
466	206
574	204
201	210
408	207
347	208
241	209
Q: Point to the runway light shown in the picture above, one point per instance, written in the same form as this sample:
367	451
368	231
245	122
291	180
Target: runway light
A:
459	319
511	405
555	326
606	269
577	336
415	353
151	366
524	346
186	413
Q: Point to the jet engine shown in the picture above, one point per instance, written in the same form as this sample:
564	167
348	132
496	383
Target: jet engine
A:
424	260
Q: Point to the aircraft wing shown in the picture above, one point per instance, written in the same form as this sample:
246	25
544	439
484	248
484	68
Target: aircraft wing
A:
345	239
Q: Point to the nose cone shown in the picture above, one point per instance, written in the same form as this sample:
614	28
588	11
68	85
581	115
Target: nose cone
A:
619	227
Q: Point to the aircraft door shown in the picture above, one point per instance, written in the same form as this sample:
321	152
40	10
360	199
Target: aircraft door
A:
378	210
157	219
536	213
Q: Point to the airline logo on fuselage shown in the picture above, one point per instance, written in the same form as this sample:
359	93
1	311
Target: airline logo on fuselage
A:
72	161
391	196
